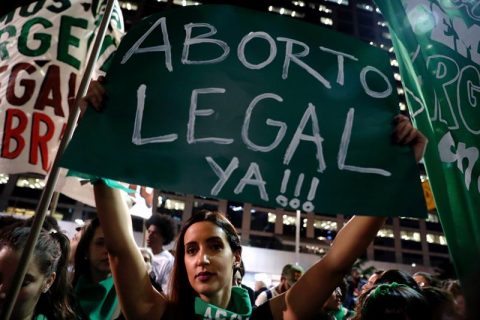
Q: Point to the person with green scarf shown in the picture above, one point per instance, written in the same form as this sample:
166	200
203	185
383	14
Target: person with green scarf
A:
207	252
92	278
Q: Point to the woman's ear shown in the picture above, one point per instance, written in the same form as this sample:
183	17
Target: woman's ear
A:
237	257
48	282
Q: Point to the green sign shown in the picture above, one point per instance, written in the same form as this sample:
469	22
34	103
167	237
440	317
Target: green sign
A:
437	45
225	102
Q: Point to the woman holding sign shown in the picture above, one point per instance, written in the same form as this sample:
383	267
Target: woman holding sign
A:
208	249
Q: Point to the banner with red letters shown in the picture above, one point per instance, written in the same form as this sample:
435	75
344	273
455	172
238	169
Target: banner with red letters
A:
43	53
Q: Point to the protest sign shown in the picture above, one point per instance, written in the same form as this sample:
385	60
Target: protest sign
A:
437	45
230	103
43	51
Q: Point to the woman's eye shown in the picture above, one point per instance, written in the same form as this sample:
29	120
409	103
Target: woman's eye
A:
190	251
26	282
217	246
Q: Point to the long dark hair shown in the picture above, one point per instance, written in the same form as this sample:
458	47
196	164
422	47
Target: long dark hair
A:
182	294
51	254
394	301
82	264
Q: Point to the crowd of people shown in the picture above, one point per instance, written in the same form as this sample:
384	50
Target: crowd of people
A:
208	269
112	278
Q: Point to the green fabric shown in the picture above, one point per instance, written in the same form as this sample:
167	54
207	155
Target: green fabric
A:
95	179
97	300
441	77
40	317
342	313
239	307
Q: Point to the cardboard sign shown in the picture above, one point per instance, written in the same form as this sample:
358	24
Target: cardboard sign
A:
225	102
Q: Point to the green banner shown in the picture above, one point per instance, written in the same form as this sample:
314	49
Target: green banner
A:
437	45
229	103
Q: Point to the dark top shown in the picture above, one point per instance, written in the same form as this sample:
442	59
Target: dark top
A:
262	312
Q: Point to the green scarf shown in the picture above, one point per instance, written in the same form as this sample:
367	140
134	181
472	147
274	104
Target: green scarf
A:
238	308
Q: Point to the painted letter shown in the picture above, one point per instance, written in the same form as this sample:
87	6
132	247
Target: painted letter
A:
137	127
203	38
222	175
342	151
246	125
246	39
315	138
252	171
290	56
194	112
164	47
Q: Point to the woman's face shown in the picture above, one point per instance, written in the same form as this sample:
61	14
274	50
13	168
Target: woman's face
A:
32	287
209	260
370	283
98	254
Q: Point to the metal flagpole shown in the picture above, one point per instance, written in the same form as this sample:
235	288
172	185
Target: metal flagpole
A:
298	221
53	177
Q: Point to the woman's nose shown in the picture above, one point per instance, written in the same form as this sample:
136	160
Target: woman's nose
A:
3	291
204	258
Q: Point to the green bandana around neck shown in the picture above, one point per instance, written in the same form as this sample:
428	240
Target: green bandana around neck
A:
238	308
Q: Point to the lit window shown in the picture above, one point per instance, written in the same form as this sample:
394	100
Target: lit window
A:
3	178
432	218
326	21
410	236
323	8
31	183
341	2
272	218
364	6
128	5
174	204
437	239
299	3
325	225
186	3
385	233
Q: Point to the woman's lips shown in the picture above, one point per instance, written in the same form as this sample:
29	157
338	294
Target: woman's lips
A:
204	276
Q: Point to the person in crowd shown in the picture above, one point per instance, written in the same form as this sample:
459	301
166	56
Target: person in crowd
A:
147	255
6	221
393	301
73	249
398	276
237	281
355	283
453	286
260	286
45	292
371	280
92	279
441	303
207	251
425	279
333	306
160	232
290	274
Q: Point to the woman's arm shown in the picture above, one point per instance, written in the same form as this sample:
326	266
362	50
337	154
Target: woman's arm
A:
306	298
137	297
